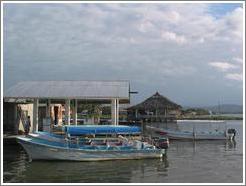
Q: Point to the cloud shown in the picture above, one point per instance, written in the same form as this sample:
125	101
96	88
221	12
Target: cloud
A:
234	21
238	60
152	45
235	76
171	36
223	66
145	26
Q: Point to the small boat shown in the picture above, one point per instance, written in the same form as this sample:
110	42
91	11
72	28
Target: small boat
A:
75	145
176	134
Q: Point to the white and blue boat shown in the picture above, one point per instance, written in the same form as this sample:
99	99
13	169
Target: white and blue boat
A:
194	135
108	143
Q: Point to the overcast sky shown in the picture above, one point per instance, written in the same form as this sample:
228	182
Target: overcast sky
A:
190	53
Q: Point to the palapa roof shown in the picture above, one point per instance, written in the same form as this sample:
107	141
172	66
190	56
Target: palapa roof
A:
70	90
155	102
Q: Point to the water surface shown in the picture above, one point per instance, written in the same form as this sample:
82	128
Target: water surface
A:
186	161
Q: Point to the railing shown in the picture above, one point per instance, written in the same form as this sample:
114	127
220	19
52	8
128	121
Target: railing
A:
153	118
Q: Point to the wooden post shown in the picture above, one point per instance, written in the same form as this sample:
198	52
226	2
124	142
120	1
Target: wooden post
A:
115	111
142	127
136	113
75	110
16	124
35	115
48	108
165	113
194	132
67	111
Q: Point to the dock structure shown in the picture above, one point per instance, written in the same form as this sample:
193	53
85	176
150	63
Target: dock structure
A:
44	94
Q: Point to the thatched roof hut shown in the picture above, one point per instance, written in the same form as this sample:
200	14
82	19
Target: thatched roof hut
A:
157	104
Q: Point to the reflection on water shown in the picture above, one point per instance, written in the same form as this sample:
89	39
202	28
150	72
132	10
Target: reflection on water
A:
230	145
194	146
14	163
186	161
97	172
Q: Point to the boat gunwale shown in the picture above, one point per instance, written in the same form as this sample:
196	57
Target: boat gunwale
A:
22	140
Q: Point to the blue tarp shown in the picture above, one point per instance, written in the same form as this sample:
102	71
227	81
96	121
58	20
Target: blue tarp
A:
101	129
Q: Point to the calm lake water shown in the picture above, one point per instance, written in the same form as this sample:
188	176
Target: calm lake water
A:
186	161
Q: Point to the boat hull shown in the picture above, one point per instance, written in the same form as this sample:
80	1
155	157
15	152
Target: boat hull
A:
196	137
46	152
189	136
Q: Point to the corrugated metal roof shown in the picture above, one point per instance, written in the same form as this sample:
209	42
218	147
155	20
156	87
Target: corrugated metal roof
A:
69	89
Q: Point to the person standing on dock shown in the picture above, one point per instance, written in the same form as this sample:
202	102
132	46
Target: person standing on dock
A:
27	125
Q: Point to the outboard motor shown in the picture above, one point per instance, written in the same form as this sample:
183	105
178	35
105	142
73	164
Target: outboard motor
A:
162	143
231	133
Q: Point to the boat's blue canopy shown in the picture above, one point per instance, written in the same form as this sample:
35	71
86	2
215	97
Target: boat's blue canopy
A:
100	129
